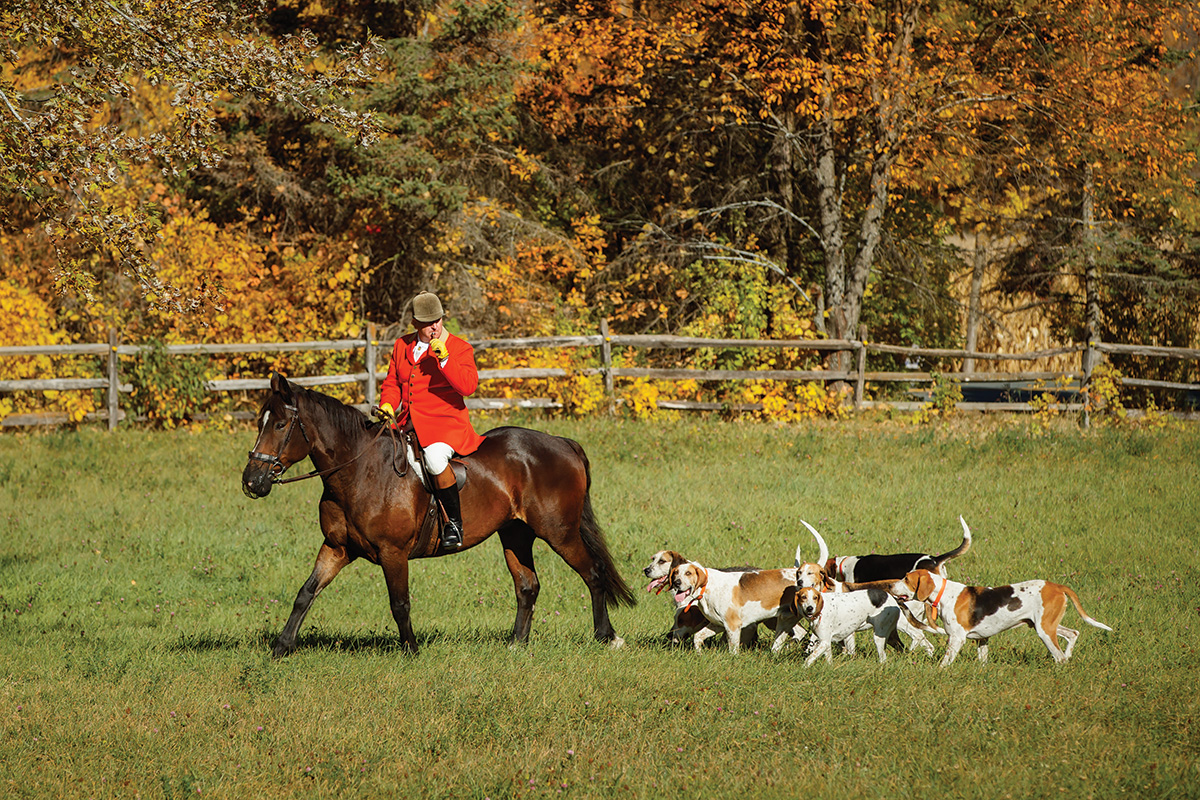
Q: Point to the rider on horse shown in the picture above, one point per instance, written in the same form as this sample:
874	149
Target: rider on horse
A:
430	373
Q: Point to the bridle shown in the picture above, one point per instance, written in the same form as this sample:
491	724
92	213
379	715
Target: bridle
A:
274	460
277	465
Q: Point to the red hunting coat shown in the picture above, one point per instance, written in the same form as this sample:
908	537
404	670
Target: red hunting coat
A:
432	394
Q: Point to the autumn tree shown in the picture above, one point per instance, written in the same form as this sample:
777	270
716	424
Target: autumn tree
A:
443	103
89	90
1105	170
780	133
824	139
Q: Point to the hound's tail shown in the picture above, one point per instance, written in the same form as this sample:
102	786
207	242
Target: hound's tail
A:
956	552
916	623
1075	599
885	585
822	548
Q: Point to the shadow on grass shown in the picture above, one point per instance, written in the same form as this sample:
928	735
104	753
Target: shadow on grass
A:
209	642
760	640
332	641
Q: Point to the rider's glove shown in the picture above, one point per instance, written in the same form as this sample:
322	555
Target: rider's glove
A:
385	411
438	348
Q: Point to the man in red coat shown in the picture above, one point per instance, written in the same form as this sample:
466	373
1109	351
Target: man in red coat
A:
430	373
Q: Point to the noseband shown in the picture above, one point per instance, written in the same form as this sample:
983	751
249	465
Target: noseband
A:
278	467
275	462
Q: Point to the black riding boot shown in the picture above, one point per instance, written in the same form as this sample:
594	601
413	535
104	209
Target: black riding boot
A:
452	532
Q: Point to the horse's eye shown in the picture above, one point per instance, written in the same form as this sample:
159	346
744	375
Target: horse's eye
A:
280	425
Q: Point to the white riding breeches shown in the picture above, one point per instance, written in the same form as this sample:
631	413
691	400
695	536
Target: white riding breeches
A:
437	457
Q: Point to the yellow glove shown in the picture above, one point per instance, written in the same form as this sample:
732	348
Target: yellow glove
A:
438	348
386	411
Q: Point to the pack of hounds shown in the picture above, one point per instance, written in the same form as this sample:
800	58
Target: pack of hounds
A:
829	600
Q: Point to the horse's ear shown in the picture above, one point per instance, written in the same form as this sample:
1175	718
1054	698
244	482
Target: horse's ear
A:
280	386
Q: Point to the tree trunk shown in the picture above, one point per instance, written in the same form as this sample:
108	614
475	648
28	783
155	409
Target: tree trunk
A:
973	313
1091	275
845	290
829	206
1091	286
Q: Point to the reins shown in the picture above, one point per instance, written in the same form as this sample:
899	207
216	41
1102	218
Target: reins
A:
277	463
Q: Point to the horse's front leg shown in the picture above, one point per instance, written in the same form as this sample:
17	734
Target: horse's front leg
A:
395	573
330	561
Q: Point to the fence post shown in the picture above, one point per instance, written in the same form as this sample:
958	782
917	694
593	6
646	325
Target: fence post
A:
862	367
114	406
372	392
606	359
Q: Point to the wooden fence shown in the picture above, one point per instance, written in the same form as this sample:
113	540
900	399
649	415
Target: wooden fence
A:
604	342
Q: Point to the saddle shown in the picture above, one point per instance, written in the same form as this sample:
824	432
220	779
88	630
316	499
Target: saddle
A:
409	437
429	534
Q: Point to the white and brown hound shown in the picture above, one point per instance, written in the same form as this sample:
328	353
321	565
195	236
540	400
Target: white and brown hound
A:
811	574
980	612
836	616
690	620
736	601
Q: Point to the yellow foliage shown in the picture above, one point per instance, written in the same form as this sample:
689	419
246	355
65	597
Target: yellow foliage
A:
220	284
641	398
27	319
581	395
1103	395
793	402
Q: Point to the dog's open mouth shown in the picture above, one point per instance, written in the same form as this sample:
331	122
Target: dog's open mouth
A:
657	584
681	596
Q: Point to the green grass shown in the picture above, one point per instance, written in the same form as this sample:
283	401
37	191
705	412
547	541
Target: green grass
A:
140	591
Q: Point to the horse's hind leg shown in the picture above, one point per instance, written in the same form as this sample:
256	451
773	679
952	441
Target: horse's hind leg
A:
571	548
330	561
517	539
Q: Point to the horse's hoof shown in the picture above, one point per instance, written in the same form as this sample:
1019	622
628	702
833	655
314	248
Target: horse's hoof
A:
616	643
280	651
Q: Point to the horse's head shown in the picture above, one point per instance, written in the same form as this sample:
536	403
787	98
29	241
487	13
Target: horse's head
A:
282	440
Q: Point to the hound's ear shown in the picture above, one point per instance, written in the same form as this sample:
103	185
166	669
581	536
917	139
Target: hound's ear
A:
924	585
826	581
818	600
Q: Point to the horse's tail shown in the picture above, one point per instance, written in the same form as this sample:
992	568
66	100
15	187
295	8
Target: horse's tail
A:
616	591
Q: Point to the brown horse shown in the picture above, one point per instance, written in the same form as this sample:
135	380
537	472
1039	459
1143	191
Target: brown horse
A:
520	483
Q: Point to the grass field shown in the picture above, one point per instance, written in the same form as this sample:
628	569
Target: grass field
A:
140	592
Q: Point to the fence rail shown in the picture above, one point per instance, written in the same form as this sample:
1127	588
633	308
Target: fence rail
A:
604	341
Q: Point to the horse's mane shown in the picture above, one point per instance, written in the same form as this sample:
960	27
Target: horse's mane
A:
346	420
